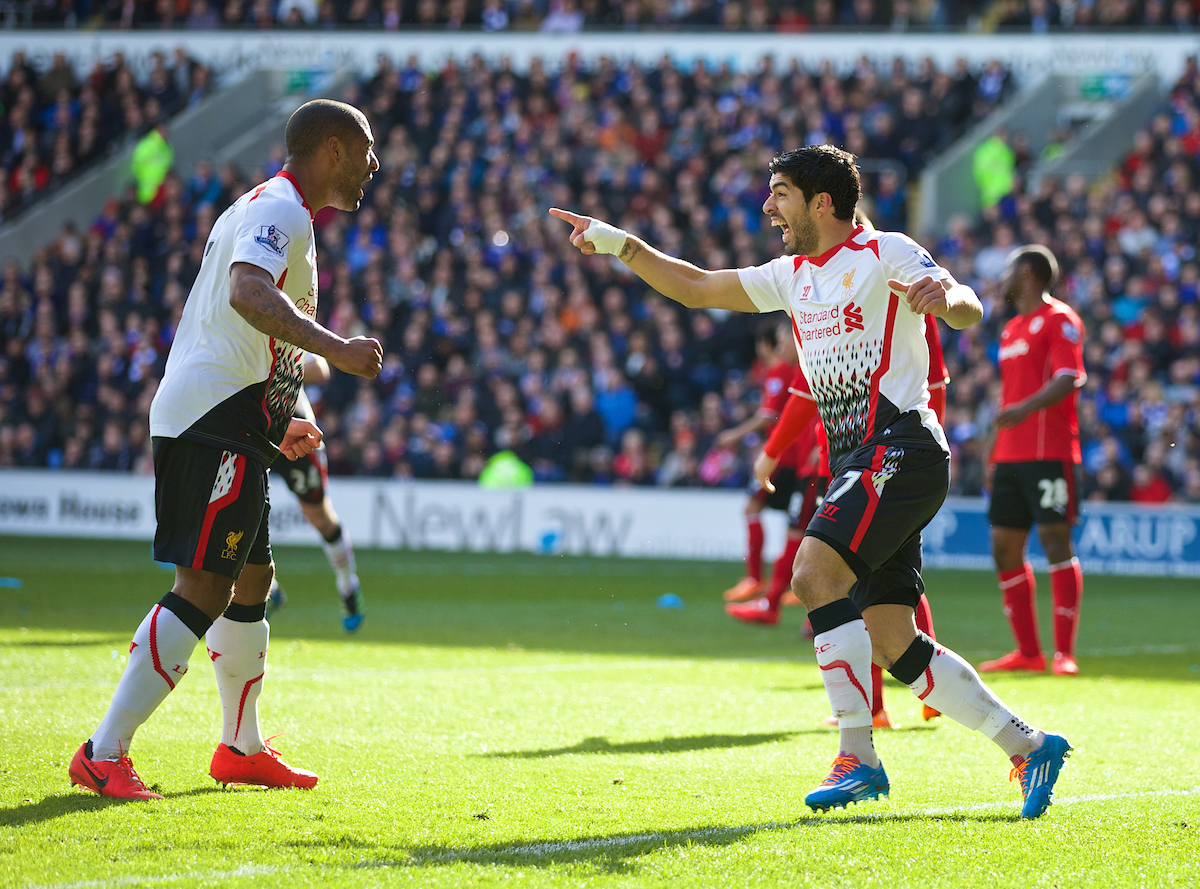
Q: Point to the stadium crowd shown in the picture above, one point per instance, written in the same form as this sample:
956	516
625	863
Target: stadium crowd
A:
56	122
500	336
567	16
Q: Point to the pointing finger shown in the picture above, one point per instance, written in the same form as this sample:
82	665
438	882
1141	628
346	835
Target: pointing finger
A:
567	216
898	286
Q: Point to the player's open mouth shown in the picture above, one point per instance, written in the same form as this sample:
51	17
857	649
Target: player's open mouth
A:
782	226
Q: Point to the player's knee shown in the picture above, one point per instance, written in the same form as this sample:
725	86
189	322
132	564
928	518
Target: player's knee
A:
1057	543
809	586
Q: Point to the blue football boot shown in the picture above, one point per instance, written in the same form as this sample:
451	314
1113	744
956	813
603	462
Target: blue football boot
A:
849	781
1038	773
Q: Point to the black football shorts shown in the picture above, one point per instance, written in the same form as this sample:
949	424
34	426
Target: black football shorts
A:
873	514
212	507
307	477
1041	491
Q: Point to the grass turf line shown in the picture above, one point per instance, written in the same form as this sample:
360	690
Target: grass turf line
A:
536	721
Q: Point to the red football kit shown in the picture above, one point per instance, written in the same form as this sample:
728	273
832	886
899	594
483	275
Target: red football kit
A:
1034	349
776	388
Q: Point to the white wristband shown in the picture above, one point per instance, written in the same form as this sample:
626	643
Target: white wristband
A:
604	237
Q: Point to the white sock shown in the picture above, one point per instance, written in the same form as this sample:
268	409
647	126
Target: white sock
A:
158	659
341	559
951	685
239	656
844	656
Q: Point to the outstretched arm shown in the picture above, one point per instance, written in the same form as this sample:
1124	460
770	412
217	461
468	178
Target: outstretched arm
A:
673	278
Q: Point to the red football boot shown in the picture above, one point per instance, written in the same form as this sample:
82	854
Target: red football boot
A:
1015	661
265	769
756	611
928	713
107	778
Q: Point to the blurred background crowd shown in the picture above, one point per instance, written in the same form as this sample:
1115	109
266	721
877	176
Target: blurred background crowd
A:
569	16
500	336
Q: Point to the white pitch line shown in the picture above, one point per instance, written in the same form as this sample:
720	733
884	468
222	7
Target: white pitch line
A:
598	844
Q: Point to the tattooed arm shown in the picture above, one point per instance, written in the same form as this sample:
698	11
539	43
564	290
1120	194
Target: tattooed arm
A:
681	281
266	308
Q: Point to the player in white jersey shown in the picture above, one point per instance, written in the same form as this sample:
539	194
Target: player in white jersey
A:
308	479
857	300
222	414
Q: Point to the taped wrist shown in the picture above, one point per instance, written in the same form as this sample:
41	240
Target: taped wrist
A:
605	238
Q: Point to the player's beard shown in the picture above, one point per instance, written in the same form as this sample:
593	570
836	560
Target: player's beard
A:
804	235
346	185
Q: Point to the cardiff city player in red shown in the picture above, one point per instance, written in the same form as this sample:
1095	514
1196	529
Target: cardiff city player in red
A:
857	300
1035	458
222	415
777	355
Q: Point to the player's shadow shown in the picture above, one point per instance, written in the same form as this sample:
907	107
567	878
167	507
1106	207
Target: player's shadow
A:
59	804
603	746
618	852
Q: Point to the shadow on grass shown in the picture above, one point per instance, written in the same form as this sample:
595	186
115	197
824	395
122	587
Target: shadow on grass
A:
59	804
616	852
604	747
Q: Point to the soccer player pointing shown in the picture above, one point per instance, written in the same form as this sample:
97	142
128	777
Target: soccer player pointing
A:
856	300
222	414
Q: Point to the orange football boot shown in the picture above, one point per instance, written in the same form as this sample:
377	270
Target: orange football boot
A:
745	589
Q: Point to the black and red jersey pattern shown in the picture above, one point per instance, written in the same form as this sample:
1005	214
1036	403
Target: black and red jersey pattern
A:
283	387
840	380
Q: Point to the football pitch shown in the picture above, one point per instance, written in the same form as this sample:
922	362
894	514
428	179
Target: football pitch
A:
518	720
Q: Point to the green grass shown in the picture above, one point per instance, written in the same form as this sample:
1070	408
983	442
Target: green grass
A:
538	721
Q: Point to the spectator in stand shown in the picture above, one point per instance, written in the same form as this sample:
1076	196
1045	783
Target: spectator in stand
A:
55	123
530	15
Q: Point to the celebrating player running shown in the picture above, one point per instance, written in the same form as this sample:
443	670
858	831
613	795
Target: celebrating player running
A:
856	299
222	415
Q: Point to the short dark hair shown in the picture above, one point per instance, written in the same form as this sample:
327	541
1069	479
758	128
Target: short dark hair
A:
822	168
1040	261
311	125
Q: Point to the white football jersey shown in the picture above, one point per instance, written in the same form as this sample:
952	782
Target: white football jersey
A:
862	349
228	384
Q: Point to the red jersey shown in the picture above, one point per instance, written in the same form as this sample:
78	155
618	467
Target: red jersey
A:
939	376
812	447
1034	349
774	397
